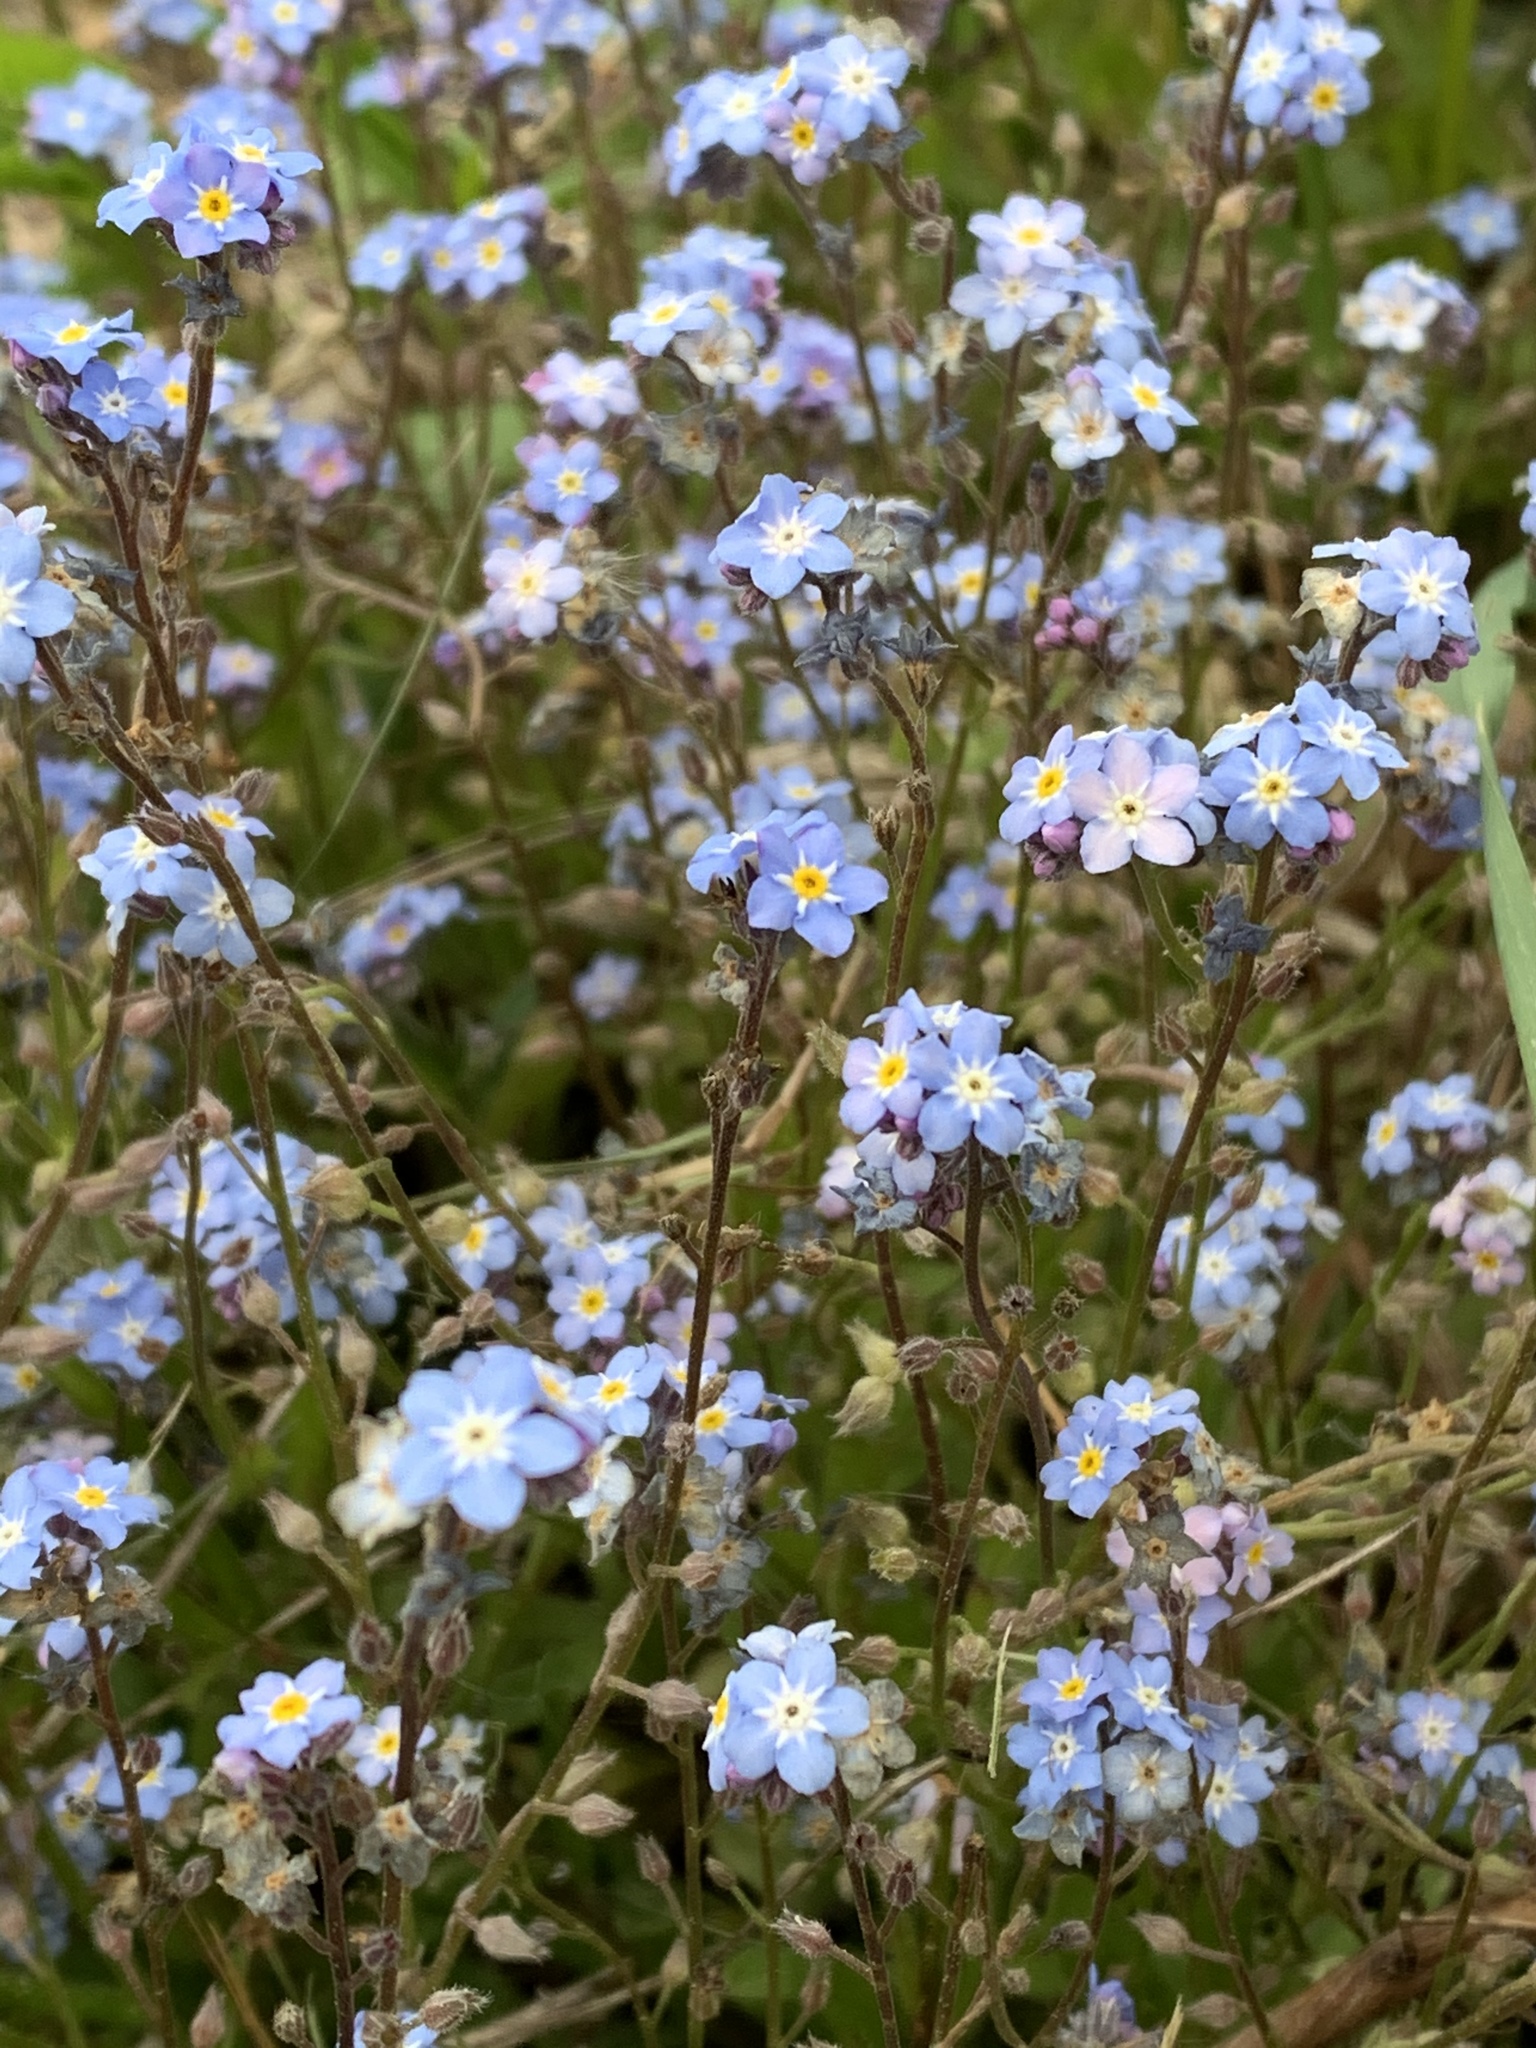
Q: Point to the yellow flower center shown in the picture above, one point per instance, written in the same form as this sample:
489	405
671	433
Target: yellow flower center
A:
1051	780
214	202
1273	787
1072	1688
291	1705
75	330
1090	1461
88	1496
892	1068
810	883
591	1301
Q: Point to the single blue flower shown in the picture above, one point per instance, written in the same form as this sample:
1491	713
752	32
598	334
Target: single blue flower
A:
1273	791
568	482
477	1439
785	535
1089	1464
1418	581
281	1716
782	1712
209	199
856	84
95	1496
976	1088
115	404
1067	1684
32	606
808	885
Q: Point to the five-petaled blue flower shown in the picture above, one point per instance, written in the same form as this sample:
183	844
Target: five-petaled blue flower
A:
977	1087
808	885
31	606
781	1712
1418	581
785	535
478	1439
281	1716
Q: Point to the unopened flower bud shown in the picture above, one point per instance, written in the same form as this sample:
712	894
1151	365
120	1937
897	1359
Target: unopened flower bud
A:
875	1656
594	1814
370	1646
894	1563
1085	1274
919	1355
296	1527
655	1867
720	1874
260	1303
339	1192
14	921
355	1354
449	1645
807	1938
1070	1934
207	2027
1164	1935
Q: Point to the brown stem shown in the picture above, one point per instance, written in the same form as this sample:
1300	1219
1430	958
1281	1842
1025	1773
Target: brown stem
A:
138	1834
874	1944
1205	1095
337	1946
1207	207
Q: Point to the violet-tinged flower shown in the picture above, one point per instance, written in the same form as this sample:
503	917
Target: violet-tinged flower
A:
879	1078
568	482
1129	806
210	199
528	585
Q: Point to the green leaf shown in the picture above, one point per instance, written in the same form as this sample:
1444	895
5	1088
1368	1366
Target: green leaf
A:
28	60
1482	693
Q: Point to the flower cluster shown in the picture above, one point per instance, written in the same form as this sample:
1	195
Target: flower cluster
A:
477	253
804	112
147	873
1487	1215
122	1317
936	1078
1425	1125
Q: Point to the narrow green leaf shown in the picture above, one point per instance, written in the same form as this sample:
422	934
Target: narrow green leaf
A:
1482	691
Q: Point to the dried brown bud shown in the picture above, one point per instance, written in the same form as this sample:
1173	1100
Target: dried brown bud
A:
885	823
194	1877
919	1355
1085	1274
451	2007
370	1646
339	1192
1070	1934
290	2025
875	1656
1163	1934
355	1354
